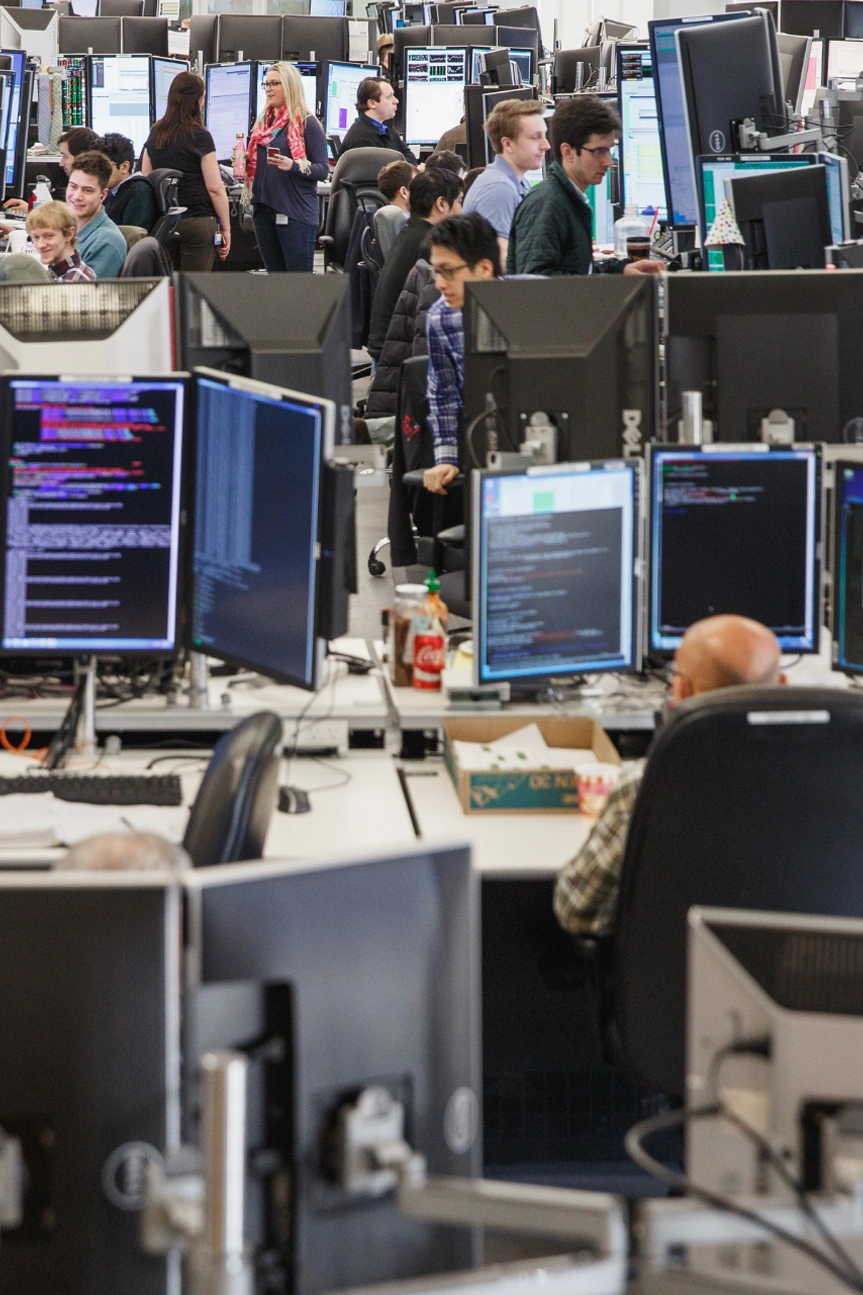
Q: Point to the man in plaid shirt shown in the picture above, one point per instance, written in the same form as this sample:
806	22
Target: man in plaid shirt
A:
720	652
53	230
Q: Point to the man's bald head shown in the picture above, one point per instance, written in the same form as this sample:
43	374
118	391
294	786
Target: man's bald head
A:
724	651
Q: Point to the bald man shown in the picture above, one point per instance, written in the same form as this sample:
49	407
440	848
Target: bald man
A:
720	652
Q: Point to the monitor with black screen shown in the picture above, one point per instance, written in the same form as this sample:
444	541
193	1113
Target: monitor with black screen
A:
92	504
847	564
735	529
259	455
340	109
639	150
824	18
120	96
784	218
674	139
433	93
228	104
555	562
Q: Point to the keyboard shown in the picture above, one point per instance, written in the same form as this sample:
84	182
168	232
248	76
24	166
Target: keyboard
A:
98	789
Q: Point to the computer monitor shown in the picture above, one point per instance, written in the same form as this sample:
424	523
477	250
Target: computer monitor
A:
120	96
327	9
74	89
784	218
249	36
639	151
343	80
34	30
92	499
18	58
257	526
814	76
474	16
433	93
228	105
730	72
498	68
19	155
673	135
318	39
844	60
316	960
555	571
537	345
164	71
824	18
794	57
712	173
90	1071
479	102
847	565
523	59
735	529
309	73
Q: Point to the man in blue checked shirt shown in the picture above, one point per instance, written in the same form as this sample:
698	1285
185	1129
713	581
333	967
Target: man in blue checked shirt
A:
463	249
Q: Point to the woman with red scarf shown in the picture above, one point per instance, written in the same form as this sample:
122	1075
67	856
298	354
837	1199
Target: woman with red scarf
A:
286	159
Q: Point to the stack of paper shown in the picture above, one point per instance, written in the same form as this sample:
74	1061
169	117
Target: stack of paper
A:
37	820
27	821
524	749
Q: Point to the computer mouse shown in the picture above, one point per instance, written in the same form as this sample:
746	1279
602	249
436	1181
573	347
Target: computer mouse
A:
293	800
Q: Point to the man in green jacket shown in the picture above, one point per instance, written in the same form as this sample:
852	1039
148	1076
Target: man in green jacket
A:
552	230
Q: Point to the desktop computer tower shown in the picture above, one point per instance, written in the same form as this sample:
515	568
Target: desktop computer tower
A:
293	330
578	353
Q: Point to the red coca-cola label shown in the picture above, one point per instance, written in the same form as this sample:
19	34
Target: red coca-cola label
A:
428	660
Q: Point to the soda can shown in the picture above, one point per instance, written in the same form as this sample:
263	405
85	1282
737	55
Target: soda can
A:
428	661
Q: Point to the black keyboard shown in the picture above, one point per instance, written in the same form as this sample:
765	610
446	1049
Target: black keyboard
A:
98	789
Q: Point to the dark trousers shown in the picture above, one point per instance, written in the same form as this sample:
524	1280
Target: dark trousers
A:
283	248
195	249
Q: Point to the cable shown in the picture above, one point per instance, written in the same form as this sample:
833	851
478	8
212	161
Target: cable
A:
680	1182
64	738
330	786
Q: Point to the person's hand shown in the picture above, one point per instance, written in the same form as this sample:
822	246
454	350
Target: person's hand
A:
438	478
226	243
644	267
282	162
6	228
16	204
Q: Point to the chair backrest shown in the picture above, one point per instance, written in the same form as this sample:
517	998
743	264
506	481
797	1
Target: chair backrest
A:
133	234
327	39
259	36
120	8
165	228
203	37
354	171
165	181
564	68
526	16
145	36
102	35
146	259
750	799
231	814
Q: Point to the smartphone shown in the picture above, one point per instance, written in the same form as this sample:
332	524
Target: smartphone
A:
274	152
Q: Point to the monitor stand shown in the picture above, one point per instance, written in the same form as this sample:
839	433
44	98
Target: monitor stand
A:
85	738
199	681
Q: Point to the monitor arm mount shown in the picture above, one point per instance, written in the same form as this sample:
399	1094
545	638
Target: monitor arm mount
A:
758	141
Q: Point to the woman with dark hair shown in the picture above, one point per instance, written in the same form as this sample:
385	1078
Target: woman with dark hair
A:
178	140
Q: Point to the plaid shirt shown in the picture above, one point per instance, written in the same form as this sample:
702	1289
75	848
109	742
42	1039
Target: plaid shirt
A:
72	270
585	896
445	383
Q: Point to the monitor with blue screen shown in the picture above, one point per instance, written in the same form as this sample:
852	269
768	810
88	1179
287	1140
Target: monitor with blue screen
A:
640	149
340	110
19	58
327	9
735	529
91	503
556	556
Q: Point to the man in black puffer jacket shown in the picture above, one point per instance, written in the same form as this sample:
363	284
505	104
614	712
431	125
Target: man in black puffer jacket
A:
406	336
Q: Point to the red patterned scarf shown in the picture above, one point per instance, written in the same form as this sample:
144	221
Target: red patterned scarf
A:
265	129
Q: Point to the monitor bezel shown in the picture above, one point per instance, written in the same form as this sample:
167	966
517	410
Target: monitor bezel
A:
837	457
431	49
269	391
181	379
91	58
246	62
729	450
623	48
340	62
182	64
533	681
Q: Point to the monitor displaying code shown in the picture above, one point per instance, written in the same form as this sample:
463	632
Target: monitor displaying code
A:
735	532
92	501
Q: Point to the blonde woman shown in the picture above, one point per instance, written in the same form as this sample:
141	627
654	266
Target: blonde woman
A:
52	227
287	157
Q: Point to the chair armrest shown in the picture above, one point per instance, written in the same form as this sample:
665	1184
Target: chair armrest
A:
415	478
326	240
453	535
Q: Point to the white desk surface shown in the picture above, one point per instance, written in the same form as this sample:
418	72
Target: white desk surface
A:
504	845
357	701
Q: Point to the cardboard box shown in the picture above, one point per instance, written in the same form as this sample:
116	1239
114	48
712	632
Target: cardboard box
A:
528	791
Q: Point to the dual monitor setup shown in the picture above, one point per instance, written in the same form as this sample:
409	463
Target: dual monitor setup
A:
142	515
123	93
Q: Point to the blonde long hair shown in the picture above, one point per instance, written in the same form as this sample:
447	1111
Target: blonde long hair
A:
293	87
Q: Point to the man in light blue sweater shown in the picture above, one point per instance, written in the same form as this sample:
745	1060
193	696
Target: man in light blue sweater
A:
100	242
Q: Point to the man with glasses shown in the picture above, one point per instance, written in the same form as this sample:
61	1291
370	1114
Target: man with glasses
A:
718	652
552	230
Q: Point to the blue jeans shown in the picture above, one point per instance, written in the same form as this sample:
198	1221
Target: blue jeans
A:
288	247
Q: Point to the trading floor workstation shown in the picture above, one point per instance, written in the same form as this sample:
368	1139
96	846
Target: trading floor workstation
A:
349	1045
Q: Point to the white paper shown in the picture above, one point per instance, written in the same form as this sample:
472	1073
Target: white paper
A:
26	819
74	821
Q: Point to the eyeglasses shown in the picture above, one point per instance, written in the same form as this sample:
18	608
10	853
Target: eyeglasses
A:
271	84
448	272
599	153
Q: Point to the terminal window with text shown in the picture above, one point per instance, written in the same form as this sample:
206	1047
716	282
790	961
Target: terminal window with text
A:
120	96
735	531
554	568
92	500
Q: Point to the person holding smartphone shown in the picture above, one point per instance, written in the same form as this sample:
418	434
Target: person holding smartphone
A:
287	157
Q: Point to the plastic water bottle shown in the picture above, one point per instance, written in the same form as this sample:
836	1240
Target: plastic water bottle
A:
630	225
238	157
41	192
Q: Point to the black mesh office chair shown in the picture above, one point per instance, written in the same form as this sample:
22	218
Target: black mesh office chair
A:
564	68
146	259
101	35
203	37
165	182
750	799
258	36
145	36
324	39
231	815
120	8
355	173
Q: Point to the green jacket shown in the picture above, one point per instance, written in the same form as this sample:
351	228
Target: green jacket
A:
552	231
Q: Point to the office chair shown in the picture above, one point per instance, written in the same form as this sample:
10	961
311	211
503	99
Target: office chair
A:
146	259
145	36
231	815
750	799
120	9
165	182
564	66
203	38
78	35
329	38
259	36
355	175
133	234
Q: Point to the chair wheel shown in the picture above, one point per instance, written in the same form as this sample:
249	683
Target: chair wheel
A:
376	567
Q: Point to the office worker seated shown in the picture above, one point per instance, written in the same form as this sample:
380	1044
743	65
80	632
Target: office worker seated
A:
100	242
53	230
376	107
517	132
73	142
719	652
394	182
131	198
552	230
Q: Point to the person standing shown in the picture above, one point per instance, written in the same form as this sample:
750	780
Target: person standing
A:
286	159
179	140
377	105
